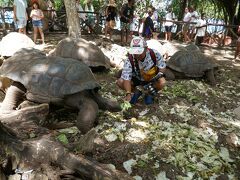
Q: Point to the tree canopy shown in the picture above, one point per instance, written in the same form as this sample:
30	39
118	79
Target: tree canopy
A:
223	9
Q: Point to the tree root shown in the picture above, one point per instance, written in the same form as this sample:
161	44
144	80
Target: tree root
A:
44	151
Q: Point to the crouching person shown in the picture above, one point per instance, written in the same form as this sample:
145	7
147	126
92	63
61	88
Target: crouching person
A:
142	72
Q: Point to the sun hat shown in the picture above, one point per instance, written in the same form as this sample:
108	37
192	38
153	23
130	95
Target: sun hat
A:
137	46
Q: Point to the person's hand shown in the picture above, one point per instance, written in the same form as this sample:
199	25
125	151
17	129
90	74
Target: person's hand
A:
128	97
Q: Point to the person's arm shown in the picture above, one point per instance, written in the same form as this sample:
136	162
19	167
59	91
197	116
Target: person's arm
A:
31	14
14	13
42	15
106	11
127	76
26	14
161	64
151	24
128	88
174	17
190	17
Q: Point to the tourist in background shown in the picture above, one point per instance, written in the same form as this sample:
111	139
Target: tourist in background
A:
90	15
126	18
81	14
111	14
194	19
20	15
201	27
170	16
155	18
37	16
148	27
185	28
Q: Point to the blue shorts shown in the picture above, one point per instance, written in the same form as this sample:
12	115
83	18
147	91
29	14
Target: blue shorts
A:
37	23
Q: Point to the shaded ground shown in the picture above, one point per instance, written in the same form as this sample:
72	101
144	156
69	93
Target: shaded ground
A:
189	132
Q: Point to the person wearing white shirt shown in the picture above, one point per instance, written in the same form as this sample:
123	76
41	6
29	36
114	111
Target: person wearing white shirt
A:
155	18
185	28
201	27
194	19
81	13
170	16
20	15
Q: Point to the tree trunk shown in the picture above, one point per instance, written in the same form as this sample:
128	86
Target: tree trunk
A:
42	150
73	21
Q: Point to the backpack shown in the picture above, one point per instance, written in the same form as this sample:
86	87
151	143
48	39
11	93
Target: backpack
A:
134	62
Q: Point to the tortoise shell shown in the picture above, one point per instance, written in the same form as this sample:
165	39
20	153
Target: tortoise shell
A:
82	50
191	63
48	79
14	41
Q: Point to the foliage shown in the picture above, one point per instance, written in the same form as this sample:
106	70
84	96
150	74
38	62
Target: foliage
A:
62	138
58	4
180	90
222	9
5	3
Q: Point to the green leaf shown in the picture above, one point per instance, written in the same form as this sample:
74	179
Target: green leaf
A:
141	163
62	138
162	176
71	130
32	135
125	105
224	154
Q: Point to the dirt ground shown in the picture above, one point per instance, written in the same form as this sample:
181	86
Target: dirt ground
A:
190	132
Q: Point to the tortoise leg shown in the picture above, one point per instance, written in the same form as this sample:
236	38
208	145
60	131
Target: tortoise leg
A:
106	104
87	115
210	77
88	110
14	95
169	74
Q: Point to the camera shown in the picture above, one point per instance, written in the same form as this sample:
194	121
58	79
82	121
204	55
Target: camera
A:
149	87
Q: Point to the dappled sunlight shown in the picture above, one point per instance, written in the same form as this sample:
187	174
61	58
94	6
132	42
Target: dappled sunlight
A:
184	132
40	68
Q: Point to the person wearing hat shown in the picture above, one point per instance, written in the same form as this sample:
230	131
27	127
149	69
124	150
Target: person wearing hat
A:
144	68
110	18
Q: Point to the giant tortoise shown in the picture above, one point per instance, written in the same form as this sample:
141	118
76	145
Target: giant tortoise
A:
56	80
82	50
191	64
14	41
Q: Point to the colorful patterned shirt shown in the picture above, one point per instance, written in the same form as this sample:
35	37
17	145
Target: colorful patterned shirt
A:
145	65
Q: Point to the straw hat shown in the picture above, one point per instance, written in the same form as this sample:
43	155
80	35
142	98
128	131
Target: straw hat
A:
112	3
